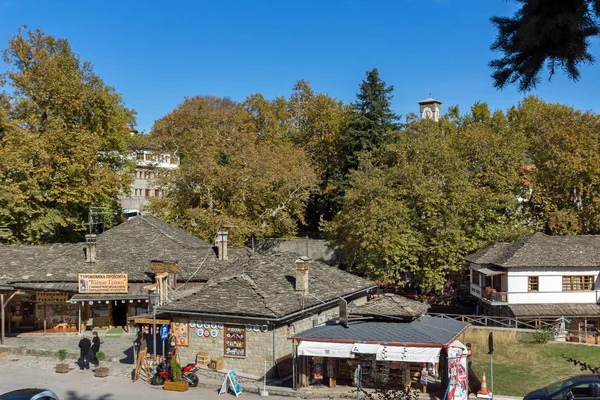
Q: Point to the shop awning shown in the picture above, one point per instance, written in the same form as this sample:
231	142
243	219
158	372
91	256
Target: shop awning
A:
325	349
409	354
363	348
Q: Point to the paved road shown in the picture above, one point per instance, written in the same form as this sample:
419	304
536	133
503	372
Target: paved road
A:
24	371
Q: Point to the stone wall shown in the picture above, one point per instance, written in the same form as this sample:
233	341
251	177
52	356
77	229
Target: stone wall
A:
259	344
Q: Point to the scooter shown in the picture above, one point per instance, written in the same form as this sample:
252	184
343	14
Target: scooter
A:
163	373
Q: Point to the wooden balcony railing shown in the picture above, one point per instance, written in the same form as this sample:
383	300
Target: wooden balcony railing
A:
496	296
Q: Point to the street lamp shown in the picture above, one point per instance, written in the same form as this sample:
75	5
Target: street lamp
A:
153	300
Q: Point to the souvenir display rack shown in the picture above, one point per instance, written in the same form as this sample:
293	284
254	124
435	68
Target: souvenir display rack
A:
234	342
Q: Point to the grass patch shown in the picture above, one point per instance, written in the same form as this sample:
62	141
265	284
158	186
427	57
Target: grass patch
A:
520	365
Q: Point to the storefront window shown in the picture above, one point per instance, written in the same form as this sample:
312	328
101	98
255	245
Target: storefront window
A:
99	310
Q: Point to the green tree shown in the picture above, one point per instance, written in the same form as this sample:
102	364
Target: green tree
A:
564	177
552	33
62	140
370	121
439	192
230	173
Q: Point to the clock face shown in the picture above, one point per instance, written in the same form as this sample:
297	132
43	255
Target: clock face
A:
427	112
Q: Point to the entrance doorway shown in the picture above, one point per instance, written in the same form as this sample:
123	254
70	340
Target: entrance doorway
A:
119	314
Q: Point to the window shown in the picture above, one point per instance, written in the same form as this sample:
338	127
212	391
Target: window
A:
578	282
533	284
139	156
156	193
147	193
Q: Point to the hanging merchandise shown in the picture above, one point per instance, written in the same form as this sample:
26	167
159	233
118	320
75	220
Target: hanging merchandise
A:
264	328
213	333
192	324
220	325
200	332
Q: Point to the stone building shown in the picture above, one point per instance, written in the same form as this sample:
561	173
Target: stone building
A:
260	304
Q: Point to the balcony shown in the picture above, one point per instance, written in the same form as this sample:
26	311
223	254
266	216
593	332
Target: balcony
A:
494	296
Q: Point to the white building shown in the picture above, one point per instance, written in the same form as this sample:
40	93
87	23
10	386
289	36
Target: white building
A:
540	276
149	164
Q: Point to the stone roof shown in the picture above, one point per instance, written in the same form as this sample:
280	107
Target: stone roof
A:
555	310
540	251
126	248
392	305
424	330
429	100
265	287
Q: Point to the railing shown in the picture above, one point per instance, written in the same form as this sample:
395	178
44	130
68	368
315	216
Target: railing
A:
496	296
503	322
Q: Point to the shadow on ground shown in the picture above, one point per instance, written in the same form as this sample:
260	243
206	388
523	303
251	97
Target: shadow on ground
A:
75	396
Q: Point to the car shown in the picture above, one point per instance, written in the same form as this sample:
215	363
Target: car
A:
29	394
580	387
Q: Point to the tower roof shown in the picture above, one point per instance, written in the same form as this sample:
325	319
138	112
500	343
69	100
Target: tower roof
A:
430	100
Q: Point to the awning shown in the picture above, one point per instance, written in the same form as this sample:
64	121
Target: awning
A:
363	348
325	349
409	354
491	271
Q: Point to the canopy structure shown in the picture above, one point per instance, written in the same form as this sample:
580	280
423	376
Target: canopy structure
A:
325	349
364	348
409	354
491	271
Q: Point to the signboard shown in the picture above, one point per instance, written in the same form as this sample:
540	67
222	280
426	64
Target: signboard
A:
102	283
231	382
234	341
51	297
164	332
344	312
150	321
181	331
457	374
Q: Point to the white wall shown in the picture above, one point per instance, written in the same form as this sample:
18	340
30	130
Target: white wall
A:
550	286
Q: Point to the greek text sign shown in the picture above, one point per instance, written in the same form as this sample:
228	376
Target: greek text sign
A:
102	283
51	297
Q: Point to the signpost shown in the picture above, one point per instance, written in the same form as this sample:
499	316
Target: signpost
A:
164	335
491	352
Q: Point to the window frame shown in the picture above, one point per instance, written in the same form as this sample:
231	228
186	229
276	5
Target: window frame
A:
530	284
578	283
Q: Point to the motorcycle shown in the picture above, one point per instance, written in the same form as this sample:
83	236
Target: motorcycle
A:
163	373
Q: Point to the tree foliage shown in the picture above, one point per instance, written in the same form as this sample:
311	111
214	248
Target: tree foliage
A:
564	178
62	140
440	191
551	33
230	173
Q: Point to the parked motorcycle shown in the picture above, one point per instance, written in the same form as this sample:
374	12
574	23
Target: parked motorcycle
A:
163	373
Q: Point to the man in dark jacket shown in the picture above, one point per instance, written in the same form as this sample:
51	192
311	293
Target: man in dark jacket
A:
84	352
95	348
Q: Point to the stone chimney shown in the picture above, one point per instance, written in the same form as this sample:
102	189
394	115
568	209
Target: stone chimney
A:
221	244
90	248
302	274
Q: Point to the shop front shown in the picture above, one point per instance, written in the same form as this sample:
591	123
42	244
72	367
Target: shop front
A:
375	353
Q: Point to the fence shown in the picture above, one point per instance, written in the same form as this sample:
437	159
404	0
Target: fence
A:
552	324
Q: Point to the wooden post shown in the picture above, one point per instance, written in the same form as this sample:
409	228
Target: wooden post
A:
45	312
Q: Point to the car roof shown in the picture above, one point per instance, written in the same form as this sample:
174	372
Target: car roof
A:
24	394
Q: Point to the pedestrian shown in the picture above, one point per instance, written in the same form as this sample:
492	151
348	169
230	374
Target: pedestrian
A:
84	352
95	349
469	355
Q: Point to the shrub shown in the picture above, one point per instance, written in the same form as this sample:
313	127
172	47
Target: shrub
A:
175	370
542	336
62	354
100	356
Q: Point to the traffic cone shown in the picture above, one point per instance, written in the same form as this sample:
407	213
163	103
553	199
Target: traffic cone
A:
484	390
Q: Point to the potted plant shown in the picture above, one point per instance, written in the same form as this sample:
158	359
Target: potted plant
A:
176	383
62	367
101	372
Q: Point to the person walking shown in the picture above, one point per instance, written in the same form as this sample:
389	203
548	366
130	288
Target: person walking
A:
84	352
469	355
95	348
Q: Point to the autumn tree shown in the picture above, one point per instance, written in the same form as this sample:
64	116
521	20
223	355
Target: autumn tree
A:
564	175
62	140
440	191
544	33
230	173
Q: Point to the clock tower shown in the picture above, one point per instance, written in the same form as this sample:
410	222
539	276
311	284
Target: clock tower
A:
430	108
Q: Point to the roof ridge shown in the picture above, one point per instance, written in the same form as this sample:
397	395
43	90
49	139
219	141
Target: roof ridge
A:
248	278
521	244
146	219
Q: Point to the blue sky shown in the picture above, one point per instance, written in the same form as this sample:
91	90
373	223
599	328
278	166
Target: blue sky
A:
157	52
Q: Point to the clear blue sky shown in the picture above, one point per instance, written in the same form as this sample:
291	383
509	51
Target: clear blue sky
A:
155	53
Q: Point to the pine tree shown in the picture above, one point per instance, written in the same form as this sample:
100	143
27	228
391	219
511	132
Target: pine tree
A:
370	121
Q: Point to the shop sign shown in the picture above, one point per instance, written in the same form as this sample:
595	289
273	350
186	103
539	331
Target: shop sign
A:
51	297
102	283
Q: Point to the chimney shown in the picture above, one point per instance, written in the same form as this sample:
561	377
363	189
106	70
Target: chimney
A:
221	244
302	274
90	248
